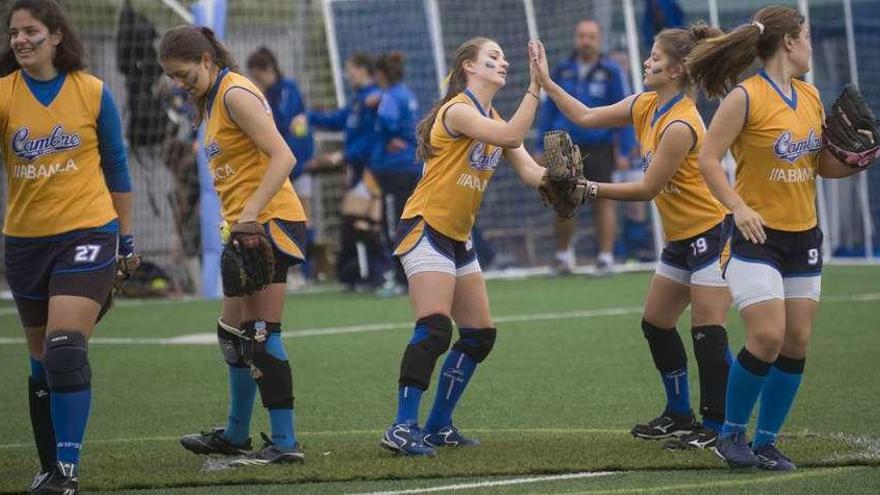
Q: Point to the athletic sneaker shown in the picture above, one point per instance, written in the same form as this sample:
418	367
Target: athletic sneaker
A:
213	442
62	480
407	440
770	458
271	454
40	478
666	425
735	451
700	438
449	436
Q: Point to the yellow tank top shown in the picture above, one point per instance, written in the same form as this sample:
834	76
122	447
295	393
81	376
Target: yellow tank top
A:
454	180
53	167
777	152
236	163
686	205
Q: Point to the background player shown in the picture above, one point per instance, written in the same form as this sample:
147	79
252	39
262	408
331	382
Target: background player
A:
772	122
250	163
596	81
461	141
64	134
670	132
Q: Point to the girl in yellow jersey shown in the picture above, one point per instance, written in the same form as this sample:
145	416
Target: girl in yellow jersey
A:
670	132
772	122
461	141
250	163
68	216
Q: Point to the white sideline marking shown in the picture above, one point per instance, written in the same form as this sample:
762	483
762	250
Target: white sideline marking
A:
507	482
211	338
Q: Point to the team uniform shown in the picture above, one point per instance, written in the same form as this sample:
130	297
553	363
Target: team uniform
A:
64	154
286	102
695	224
238	166
435	231
777	156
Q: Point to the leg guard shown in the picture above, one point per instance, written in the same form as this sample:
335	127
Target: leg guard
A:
666	348
271	369
431	338
230	345
711	351
41	421
476	343
67	363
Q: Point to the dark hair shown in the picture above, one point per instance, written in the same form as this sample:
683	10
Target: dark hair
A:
391	66
189	44
364	61
263	58
69	55
677	44
456	83
716	64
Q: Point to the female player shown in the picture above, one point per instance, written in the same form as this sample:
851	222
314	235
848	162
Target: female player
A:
773	124
670	132
461	141
250	163
61	133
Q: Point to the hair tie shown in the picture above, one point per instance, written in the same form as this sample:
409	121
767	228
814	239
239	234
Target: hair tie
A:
760	27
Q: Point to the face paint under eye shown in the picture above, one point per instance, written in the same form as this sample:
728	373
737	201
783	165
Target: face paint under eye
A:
490	64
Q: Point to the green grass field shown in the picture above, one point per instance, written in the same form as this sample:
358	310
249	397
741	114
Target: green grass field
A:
569	376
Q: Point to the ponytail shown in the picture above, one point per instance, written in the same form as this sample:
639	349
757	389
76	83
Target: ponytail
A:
677	44
717	64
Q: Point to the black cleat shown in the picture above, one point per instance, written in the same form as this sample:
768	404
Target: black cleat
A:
40	478
664	426
771	459
700	438
271	454
62	480
213	442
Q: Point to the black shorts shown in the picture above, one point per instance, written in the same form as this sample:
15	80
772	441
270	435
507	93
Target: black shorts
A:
599	161
80	263
288	243
700	250
792	254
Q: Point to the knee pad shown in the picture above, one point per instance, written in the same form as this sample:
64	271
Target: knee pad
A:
713	355
230	345
430	340
477	343
666	347
67	362
271	369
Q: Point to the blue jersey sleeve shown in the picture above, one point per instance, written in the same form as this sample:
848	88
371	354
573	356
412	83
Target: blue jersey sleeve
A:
333	121
111	146
390	115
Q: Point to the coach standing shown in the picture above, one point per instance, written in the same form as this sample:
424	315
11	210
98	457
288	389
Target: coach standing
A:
595	80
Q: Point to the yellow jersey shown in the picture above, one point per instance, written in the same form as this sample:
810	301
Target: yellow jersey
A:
236	164
54	179
686	205
454	180
777	152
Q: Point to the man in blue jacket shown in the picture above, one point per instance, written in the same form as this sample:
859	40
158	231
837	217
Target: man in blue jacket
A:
596	81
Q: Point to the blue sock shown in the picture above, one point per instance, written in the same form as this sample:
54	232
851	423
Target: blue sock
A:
712	424
678	398
408	399
744	384
70	413
778	395
281	420
242	391
457	370
38	372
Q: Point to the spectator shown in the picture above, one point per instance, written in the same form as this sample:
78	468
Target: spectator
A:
597	81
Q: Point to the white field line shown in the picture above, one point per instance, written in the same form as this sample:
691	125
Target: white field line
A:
211	338
496	483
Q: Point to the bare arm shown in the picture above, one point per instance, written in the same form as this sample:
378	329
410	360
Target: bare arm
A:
677	140
122	203
526	168
832	168
466	120
726	125
254	119
615	115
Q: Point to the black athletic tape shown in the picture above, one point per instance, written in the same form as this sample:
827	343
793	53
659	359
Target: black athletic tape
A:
67	362
790	365
666	348
710	350
752	364
419	359
476	343
274	380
